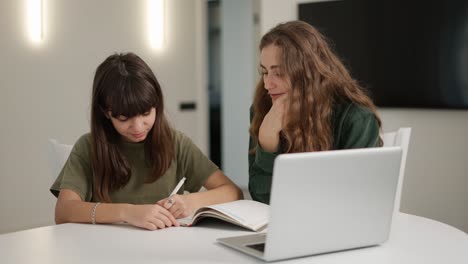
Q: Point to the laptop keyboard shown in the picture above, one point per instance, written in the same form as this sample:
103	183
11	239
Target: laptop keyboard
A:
259	247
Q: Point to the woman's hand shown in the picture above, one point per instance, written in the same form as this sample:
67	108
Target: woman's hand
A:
149	216
272	124
179	206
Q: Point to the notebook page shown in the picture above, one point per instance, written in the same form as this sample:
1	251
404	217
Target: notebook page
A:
248	212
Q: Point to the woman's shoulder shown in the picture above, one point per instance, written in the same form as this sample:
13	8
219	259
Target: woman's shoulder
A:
351	112
355	126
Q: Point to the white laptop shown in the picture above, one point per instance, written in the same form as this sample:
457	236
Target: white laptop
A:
326	201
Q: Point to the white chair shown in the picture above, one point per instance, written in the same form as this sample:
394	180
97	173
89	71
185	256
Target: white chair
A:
58	155
399	138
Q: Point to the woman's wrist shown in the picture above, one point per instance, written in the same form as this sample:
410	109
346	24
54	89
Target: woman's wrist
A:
269	143
268	138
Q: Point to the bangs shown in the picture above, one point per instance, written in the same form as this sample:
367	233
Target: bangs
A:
130	97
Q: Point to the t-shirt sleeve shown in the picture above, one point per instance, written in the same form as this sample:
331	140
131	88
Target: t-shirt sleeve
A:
76	174
193	164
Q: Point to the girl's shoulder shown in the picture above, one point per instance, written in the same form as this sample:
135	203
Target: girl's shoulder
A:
82	146
183	145
180	139
84	140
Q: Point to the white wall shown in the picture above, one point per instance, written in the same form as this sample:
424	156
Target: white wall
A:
45	89
238	82
436	179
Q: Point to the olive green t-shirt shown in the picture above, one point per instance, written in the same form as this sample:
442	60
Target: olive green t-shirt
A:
353	126
188	162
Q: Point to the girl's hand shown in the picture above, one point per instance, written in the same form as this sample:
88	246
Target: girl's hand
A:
149	216
272	124
179	206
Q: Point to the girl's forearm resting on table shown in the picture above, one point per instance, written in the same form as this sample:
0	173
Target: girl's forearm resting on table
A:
221	194
76	211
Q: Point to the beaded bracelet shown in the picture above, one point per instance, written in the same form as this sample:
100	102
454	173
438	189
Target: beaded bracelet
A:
93	214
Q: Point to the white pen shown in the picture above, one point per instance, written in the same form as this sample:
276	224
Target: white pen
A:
176	189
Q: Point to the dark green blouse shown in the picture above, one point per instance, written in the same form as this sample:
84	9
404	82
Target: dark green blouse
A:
353	127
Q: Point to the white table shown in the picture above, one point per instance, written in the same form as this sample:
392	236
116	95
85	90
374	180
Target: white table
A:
413	240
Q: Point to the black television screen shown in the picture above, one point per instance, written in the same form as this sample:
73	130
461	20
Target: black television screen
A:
406	53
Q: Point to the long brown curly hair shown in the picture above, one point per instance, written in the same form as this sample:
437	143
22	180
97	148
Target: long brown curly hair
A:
318	81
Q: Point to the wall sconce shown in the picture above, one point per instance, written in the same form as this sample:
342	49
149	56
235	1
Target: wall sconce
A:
35	20
156	23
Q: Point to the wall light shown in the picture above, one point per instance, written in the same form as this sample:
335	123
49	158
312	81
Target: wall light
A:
156	23
35	20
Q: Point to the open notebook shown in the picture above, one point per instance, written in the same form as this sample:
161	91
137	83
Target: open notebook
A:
245	213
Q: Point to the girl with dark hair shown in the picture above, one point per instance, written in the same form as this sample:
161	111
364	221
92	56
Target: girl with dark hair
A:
126	168
305	101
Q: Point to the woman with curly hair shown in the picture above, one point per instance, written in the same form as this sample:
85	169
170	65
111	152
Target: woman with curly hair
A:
305	101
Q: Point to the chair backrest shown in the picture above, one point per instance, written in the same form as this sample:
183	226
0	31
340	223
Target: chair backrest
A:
58	155
399	138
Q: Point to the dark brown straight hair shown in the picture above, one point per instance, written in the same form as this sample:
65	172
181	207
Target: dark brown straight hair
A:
318	81
125	85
